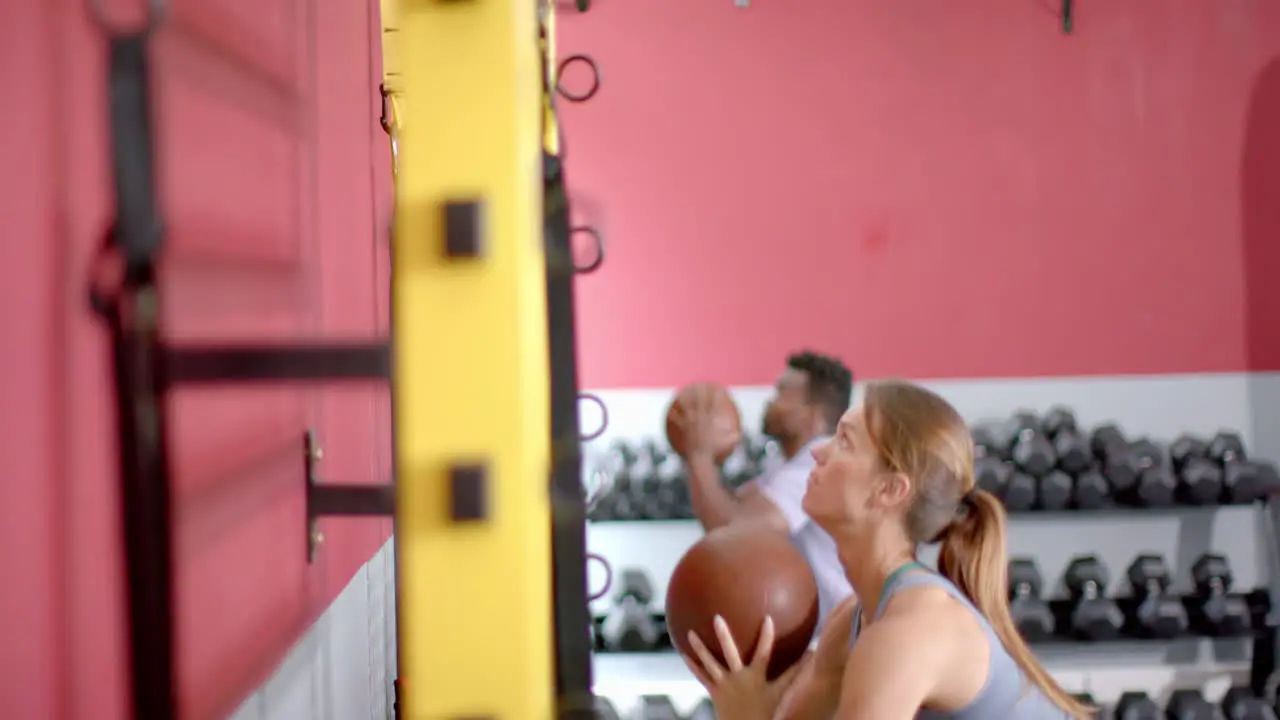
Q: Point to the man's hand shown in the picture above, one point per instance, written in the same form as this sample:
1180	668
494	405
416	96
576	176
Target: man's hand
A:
704	433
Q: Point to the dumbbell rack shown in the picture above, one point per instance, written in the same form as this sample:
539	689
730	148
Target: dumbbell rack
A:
668	535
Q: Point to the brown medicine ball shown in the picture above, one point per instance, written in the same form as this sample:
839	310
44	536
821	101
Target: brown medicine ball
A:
744	575
726	416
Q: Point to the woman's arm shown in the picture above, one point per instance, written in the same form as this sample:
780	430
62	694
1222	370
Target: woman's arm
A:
897	663
816	692
812	697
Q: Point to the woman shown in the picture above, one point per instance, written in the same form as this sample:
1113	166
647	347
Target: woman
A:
898	473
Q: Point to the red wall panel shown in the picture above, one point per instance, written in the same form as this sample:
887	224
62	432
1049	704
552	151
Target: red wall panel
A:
274	181
33	529
927	188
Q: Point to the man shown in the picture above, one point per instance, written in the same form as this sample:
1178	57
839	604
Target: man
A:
811	395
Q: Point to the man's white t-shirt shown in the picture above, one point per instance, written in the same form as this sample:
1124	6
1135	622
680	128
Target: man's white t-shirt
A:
784	485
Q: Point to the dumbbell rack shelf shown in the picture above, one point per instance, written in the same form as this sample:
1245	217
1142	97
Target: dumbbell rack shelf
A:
1114	510
1259	602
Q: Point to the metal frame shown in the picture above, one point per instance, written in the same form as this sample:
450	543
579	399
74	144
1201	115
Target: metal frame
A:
124	292
472	410
482	420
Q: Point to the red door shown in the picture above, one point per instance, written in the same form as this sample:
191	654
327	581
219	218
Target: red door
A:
276	189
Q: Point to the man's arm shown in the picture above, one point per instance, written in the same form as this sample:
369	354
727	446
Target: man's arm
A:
773	501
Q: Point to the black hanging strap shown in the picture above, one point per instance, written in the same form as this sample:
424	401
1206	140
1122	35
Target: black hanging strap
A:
137	231
124	294
572	618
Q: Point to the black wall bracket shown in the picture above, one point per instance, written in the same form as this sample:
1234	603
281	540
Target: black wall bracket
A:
191	364
338	500
1068	16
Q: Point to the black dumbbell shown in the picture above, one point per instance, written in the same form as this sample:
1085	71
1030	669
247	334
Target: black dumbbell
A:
1110	449
1138	473
630	626
1199	478
984	439
992	474
1022	441
1119	463
1103	438
1020	491
1266	479
1054	491
1213	610
1070	444
1239	703
682	501
996	474
619	502
1238	473
1157	485
603	508
1246	481
624	466
1091	490
1155	613
1226	446
1093	615
1243	480
1135	705
653	495
1057	419
1030	612
705	710
1190	705
657	707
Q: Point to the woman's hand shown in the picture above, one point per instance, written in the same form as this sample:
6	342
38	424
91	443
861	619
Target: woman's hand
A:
740	691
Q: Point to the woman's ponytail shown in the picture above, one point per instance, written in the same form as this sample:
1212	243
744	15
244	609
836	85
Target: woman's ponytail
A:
973	557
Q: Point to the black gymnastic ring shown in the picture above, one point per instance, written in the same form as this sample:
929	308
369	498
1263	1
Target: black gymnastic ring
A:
608	576
598	239
385	118
604	417
156	12
595	78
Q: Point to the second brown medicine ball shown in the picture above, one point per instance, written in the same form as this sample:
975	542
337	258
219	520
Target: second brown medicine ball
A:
744	575
725	412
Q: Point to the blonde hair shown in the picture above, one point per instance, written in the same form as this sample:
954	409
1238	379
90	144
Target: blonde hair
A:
919	434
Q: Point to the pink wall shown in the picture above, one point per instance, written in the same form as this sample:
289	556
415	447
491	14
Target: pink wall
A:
277	185
928	188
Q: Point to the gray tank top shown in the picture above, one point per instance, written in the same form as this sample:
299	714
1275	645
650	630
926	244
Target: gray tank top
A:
1007	695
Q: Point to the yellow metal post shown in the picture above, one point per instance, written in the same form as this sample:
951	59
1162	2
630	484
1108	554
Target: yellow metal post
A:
550	123
471	364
